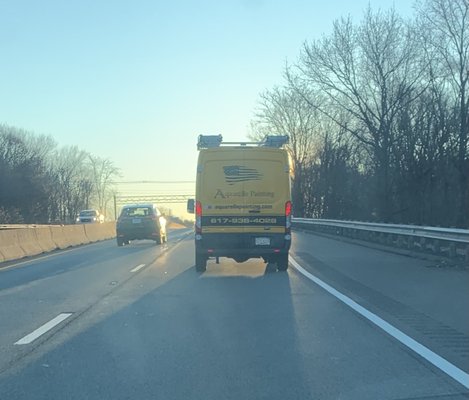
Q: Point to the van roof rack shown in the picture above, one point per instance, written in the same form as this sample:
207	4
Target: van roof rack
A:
275	141
211	141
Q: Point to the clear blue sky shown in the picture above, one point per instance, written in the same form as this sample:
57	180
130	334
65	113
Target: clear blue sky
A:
137	81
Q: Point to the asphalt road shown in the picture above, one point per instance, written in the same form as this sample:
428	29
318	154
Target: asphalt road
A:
138	322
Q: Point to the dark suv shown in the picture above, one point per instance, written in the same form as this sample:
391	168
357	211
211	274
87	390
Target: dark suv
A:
140	221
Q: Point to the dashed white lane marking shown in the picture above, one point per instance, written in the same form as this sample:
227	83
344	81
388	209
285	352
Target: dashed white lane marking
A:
438	361
137	268
44	328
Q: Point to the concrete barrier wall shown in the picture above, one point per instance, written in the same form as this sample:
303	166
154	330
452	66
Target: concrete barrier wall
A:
98	232
109	230
75	234
10	248
58	237
44	237
28	241
19	243
94	232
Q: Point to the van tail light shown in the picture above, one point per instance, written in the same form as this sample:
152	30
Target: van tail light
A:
288	209
198	217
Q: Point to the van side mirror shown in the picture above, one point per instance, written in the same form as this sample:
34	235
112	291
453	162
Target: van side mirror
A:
191	206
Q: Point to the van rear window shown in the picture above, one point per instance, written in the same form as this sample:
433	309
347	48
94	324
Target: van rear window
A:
137	212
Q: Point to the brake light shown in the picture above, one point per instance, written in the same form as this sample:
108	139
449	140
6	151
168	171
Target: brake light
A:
288	209
198	208
198	217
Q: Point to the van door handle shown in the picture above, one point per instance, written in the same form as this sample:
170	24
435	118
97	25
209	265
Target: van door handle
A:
254	211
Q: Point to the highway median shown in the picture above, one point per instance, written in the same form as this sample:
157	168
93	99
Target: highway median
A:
17	243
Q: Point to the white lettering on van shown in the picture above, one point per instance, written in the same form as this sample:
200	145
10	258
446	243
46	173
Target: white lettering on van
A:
262	194
227	195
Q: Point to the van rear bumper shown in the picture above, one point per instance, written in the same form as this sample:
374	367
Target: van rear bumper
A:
235	244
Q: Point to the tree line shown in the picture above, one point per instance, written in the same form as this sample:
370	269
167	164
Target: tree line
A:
378	116
41	182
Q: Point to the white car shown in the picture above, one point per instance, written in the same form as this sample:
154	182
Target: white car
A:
90	217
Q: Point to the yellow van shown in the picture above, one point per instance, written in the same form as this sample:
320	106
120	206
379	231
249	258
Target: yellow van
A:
243	201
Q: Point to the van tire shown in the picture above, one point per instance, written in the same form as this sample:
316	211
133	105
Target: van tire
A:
200	262
282	262
120	242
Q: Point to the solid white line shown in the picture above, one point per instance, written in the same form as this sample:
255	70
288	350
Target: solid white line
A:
36	259
43	329
438	361
137	268
40	258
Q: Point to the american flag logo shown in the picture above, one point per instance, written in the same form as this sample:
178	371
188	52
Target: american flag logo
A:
238	173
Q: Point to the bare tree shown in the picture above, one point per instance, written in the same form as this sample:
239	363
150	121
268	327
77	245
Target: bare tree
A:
73	182
283	111
446	27
103	173
370	72
389	104
41	184
24	175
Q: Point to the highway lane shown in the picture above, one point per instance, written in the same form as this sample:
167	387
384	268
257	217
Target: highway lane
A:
418	296
34	291
234	332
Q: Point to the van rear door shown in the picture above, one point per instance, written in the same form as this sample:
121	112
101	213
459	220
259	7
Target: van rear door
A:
244	190
266	197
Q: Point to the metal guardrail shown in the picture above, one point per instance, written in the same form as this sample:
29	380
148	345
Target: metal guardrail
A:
441	241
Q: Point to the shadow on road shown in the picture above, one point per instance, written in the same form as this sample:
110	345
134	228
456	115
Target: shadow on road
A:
209	336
